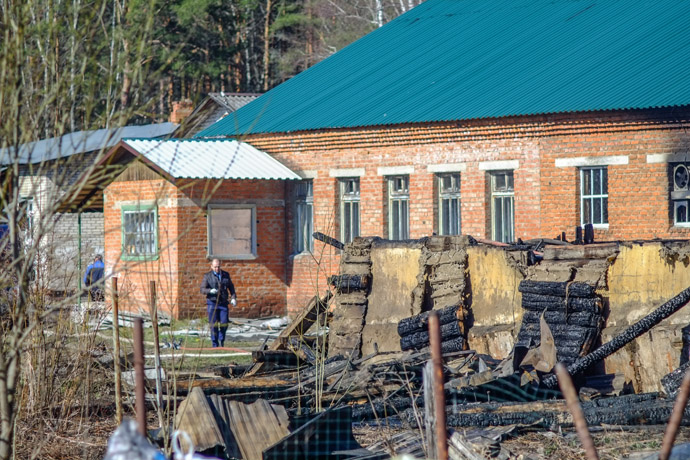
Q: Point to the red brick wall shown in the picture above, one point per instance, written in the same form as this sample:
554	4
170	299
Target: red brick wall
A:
134	277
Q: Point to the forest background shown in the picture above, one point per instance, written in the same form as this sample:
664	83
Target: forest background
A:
191	48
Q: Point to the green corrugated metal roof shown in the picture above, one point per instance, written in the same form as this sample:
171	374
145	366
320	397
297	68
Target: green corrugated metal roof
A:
470	59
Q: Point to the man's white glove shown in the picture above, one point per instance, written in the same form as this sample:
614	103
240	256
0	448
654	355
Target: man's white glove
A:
213	291
233	302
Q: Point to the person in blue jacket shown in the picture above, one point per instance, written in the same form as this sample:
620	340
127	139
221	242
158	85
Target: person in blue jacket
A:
94	274
219	291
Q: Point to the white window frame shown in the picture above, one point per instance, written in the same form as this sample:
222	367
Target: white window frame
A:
304	216
211	252
452	196
602	197
349	208
505	196
399	201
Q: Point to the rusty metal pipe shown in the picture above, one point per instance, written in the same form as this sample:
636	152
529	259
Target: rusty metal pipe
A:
571	399
439	395
139	388
676	418
116	351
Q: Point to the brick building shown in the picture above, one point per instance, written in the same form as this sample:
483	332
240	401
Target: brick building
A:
176	204
499	120
51	170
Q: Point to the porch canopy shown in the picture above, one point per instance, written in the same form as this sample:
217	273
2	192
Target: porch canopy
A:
178	159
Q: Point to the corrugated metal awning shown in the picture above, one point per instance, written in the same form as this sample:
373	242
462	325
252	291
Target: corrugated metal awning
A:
209	159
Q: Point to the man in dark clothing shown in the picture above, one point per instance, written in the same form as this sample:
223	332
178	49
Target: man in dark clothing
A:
216	286
94	273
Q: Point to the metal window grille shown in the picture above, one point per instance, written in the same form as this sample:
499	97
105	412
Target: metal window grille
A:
304	215
449	204
594	192
502	206
349	209
140	233
398	207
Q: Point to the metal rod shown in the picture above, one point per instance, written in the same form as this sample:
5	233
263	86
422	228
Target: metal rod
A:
571	399
439	395
156	347
676	418
139	388
116	351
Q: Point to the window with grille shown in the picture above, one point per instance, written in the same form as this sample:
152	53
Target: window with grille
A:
680	194
232	231
304	215
349	209
449	204
594	196
139	233
502	206
398	207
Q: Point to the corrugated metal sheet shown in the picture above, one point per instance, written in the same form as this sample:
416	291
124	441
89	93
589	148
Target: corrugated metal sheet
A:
210	159
470	59
82	142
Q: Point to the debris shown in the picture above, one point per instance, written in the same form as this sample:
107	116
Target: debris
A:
314	309
627	336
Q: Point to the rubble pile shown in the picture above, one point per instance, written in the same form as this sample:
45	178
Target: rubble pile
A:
303	393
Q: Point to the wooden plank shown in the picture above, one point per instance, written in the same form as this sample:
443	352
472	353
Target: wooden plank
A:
298	327
195	417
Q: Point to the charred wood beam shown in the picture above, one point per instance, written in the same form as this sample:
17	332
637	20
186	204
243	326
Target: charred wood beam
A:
541	302
348	283
284	357
671	381
627	336
419	323
328	240
419	340
577	318
558	289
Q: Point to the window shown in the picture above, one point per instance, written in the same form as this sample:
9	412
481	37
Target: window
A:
349	209
304	212
449	204
502	214
680	194
594	193
232	231
139	233
398	207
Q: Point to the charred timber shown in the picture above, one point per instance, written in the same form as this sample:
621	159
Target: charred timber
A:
627	336
558	289
578	318
540	302
419	340
328	240
349	283
419	323
635	410
671	382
